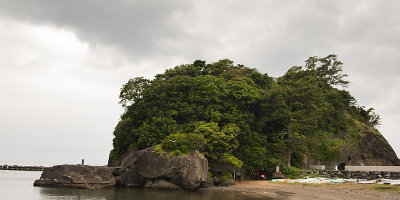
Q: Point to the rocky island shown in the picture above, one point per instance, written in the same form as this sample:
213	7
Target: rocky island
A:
198	124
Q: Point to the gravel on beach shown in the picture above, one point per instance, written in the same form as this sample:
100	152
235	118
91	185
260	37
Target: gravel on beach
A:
269	190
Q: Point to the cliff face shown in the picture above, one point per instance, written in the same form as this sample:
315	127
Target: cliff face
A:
373	150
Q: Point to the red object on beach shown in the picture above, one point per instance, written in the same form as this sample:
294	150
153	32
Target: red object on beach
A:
257	175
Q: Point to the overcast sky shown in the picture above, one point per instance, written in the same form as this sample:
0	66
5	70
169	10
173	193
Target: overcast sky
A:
62	62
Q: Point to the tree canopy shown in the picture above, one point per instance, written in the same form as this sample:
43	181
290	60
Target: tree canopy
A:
237	115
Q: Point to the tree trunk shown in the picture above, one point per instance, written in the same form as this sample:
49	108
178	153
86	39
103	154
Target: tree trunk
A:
289	149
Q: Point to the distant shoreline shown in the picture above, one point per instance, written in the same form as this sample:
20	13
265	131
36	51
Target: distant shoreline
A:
22	168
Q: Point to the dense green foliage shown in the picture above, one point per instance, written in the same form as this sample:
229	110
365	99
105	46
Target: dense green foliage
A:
225	177
181	143
234	114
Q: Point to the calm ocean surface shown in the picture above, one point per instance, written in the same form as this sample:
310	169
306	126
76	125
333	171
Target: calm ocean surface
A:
18	185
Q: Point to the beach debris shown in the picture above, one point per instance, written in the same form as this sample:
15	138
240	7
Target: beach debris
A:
366	181
390	181
320	180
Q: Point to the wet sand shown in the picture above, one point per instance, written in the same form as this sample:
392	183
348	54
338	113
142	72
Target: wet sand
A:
269	190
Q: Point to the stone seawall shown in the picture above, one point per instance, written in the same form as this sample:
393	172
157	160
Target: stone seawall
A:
22	168
373	168
369	175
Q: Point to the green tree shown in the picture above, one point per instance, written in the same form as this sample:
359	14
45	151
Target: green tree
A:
132	90
297	102
220	143
329	68
298	110
246	118
183	143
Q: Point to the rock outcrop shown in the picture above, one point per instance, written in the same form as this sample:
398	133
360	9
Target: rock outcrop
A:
161	184
127	174
373	150
77	176
145	166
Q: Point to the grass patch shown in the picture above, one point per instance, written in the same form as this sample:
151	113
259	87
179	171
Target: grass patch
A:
159	149
383	188
386	188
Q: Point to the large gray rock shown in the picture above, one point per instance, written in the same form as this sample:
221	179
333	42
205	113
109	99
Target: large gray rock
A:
127	174
129	159
139	168
77	176
186	171
128	177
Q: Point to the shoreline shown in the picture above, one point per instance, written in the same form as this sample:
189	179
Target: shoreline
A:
262	189
269	190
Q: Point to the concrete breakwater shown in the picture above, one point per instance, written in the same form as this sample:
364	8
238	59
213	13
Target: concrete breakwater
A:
369	175
22	168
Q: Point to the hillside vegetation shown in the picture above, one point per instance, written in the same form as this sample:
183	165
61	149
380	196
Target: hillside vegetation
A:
234	114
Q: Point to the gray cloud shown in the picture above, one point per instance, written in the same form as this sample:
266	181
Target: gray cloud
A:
133	26
267	33
142	38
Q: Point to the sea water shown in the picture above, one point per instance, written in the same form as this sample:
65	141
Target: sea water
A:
18	185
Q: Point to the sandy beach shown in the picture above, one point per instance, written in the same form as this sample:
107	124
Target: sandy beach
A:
269	190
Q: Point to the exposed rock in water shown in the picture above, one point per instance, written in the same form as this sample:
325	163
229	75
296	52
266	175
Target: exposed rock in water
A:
185	171
77	176
128	177
161	184
146	168
127	174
